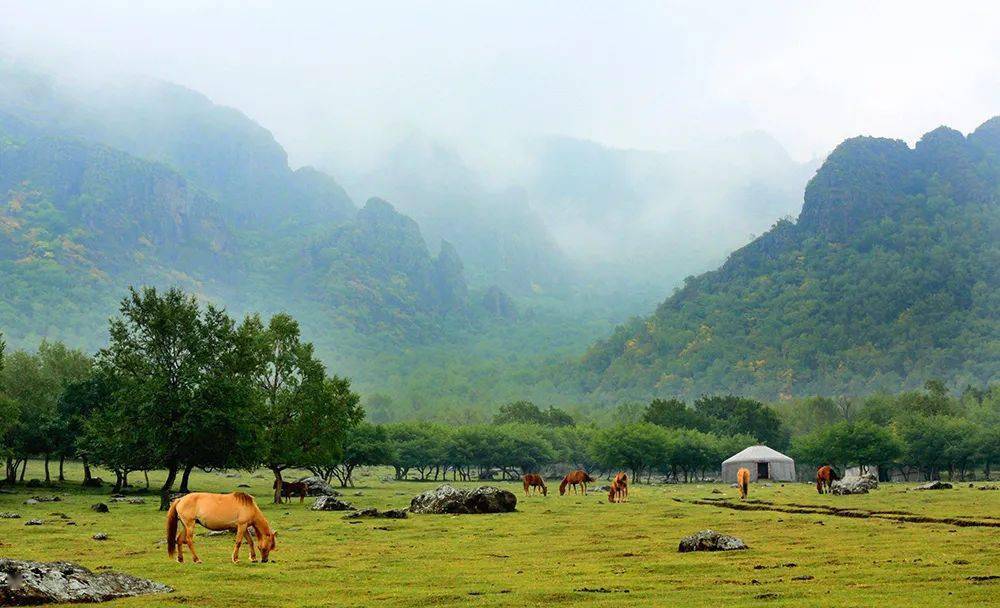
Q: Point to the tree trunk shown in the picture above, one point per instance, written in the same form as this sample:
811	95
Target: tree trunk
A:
277	485
145	474
185	477
62	461
87	477
118	483
125	479
48	477
24	467
168	485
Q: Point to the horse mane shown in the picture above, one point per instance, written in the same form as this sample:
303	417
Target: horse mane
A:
243	498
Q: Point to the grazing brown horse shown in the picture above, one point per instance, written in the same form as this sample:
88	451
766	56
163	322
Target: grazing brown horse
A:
533	480
619	488
578	477
292	488
743	481
825	476
236	511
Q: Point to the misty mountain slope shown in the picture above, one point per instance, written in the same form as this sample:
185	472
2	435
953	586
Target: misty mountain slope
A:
500	239
80	221
217	148
655	217
890	276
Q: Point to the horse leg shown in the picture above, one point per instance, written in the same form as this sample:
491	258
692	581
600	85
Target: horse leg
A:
241	529
180	546
302	497
189	539
251	541
584	484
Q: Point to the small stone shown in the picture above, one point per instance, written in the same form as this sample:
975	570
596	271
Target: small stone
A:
100	536
8	515
100	508
33	522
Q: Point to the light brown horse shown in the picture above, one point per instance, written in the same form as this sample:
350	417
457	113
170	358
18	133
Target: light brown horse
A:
576	478
743	481
533	480
619	488
236	511
825	476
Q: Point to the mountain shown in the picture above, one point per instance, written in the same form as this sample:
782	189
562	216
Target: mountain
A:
889	277
502	241
165	188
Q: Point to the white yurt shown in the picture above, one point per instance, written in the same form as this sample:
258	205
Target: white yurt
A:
762	462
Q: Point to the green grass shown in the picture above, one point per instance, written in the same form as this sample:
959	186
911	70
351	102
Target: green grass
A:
545	553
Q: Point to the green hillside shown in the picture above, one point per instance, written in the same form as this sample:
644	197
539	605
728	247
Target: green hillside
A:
890	276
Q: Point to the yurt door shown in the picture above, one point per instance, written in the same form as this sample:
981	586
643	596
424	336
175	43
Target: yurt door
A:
762	472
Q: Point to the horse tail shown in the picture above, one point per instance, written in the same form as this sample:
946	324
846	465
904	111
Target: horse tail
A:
562	486
172	529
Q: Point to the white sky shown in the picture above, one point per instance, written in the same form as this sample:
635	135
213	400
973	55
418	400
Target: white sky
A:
336	76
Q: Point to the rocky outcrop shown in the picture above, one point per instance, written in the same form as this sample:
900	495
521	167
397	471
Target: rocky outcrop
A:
854	485
934	485
331	503
318	487
447	499
710	540
24	583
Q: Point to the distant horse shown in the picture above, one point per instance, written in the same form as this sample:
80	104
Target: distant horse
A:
533	480
292	488
619	488
578	477
825	476
743	481
236	511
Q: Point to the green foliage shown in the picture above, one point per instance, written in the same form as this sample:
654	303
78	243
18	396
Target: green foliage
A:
304	414
528	412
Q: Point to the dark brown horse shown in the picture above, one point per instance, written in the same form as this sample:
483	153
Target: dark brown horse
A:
576	478
619	488
825	476
534	480
292	488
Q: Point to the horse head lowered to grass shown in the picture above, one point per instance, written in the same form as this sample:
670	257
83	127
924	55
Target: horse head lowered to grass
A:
237	511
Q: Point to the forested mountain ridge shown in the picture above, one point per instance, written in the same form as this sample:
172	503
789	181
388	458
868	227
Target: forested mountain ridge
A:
80	221
890	276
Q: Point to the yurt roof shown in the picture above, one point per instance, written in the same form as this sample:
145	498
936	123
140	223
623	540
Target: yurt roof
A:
757	453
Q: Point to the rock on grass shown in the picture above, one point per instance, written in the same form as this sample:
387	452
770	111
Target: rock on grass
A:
447	499
934	485
710	540
24	583
331	503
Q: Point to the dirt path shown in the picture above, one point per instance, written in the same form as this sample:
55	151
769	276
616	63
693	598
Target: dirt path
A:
803	509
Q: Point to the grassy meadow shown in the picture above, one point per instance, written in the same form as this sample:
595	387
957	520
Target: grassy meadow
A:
569	550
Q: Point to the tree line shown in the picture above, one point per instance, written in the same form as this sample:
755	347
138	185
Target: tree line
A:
182	386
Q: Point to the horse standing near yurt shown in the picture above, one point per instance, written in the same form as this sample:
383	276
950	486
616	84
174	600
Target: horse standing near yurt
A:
825	476
743	482
619	488
237	511
534	480
576	478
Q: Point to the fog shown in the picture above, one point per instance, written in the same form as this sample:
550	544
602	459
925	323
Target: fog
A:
340	86
650	75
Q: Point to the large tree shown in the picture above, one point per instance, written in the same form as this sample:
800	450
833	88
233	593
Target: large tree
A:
182	374
305	414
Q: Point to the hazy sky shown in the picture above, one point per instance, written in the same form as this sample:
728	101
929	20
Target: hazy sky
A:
345	76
